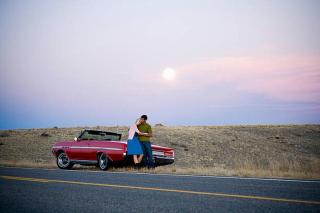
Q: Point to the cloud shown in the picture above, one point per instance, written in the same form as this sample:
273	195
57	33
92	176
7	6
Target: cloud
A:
285	78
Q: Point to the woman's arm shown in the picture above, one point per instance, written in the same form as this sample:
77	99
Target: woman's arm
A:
148	134
141	133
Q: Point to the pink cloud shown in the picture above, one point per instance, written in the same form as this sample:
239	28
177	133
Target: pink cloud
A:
289	78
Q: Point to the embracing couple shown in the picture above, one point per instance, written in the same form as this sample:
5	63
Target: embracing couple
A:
138	143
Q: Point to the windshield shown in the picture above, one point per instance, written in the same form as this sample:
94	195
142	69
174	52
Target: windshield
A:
99	136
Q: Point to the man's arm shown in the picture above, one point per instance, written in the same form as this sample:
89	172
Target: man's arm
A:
149	133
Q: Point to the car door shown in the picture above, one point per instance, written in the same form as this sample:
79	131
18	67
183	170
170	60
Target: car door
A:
94	146
79	150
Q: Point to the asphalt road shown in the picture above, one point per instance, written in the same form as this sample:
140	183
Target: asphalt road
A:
54	190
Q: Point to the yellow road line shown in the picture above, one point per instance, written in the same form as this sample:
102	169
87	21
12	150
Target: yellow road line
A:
163	190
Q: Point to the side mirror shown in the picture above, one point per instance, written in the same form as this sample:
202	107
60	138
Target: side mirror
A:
75	139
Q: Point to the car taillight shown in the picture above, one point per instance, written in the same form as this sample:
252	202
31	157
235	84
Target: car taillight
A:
170	153
125	147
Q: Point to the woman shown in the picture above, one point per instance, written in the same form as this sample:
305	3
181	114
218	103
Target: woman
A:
133	144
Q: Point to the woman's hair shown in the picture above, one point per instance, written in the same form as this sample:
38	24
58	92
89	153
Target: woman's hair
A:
137	121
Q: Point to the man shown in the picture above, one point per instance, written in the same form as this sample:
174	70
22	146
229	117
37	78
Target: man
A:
144	127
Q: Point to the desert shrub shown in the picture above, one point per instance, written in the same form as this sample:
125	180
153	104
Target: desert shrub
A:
159	124
4	134
45	134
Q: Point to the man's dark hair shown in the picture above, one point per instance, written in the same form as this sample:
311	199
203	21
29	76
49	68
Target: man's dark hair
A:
145	117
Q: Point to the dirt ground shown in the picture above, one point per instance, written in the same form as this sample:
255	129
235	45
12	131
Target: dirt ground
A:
290	151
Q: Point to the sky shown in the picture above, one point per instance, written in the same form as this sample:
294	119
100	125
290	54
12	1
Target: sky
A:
100	63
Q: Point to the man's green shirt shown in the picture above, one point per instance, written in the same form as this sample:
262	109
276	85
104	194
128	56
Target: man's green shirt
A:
145	128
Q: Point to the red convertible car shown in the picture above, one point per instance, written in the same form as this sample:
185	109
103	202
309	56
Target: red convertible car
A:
101	148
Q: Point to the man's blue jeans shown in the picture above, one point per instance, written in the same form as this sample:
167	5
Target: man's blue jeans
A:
147	151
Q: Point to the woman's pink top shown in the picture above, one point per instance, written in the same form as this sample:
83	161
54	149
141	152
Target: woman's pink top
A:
133	129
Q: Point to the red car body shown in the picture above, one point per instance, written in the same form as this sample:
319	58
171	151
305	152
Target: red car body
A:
98	147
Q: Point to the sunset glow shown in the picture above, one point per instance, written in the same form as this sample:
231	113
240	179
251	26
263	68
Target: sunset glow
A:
90	63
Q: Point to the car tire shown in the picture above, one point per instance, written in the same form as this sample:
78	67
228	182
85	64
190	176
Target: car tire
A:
63	161
103	161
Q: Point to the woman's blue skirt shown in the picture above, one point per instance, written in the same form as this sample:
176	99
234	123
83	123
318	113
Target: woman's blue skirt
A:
134	147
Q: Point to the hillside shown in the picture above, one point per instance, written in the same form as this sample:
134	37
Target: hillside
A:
266	151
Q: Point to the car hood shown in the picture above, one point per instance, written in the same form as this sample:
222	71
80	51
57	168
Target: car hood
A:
61	143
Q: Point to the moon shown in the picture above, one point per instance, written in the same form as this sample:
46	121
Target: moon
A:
169	74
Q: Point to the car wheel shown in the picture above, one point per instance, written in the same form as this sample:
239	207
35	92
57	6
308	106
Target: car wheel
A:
63	161
103	162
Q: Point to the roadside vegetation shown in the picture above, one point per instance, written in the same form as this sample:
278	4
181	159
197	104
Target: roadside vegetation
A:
287	151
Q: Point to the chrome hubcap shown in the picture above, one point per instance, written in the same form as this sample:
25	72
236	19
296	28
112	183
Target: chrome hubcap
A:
103	162
63	160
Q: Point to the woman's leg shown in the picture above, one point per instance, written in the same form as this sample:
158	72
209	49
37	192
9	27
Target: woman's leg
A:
140	158
135	160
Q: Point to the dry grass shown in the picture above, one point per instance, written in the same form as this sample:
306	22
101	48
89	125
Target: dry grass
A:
290	151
